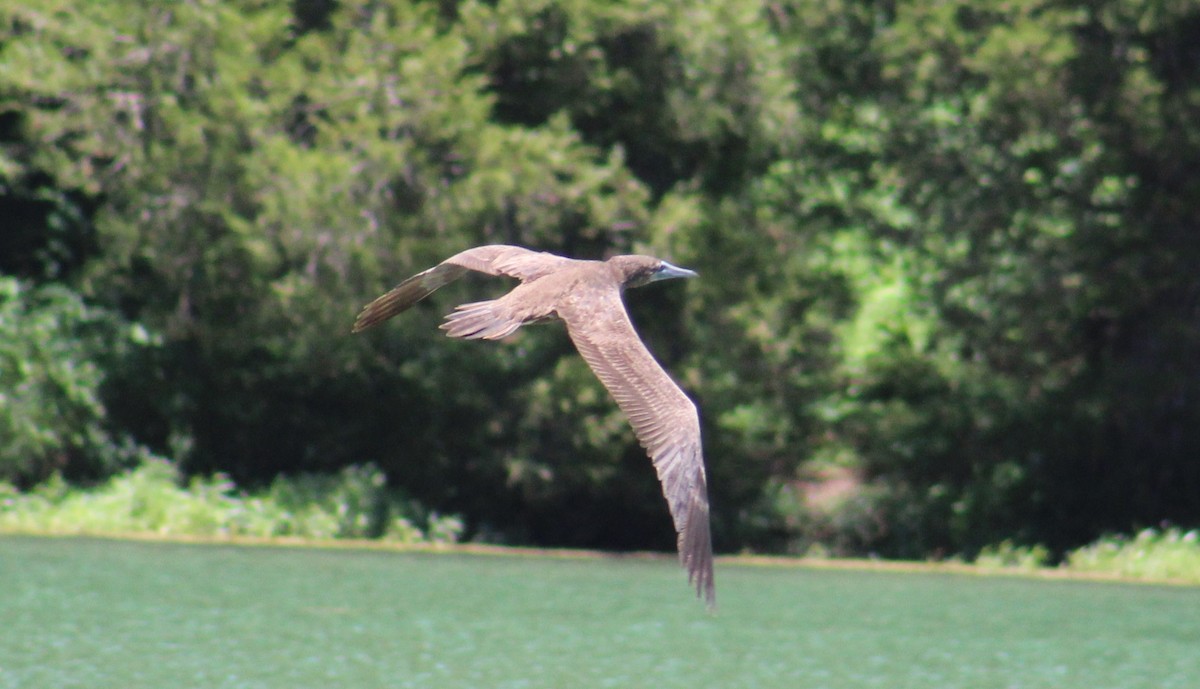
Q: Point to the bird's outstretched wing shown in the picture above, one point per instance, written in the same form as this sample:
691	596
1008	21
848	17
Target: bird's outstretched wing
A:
494	259
664	420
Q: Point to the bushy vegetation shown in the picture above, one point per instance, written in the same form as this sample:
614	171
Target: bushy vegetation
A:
152	499
1007	555
53	348
948	249
1159	554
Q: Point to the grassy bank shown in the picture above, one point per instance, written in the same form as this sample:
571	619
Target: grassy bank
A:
356	504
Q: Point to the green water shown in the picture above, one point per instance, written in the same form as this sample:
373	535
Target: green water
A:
98	614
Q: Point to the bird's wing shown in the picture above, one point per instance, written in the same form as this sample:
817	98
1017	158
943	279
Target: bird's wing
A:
494	259
664	420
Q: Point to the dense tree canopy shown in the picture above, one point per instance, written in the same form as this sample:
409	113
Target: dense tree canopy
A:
948	255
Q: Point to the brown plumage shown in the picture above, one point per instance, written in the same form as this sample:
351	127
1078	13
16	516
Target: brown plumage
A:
586	295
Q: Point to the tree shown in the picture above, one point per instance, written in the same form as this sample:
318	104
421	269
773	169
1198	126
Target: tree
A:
53	355
1027	158
946	250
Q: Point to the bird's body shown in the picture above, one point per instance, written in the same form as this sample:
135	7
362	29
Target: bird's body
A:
586	296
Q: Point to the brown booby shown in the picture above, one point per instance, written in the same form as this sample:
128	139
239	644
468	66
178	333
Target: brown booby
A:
586	296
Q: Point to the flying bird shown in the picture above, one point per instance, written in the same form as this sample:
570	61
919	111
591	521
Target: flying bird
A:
586	296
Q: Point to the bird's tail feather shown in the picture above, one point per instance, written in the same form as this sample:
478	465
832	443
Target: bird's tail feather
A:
487	320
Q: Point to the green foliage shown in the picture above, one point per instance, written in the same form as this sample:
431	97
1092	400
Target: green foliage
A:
980	162
946	246
1008	555
151	499
1158	555
53	349
1163	555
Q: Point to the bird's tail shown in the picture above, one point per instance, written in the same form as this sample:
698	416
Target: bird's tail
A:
487	320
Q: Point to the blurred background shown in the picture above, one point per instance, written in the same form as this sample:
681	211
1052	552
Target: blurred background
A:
949	259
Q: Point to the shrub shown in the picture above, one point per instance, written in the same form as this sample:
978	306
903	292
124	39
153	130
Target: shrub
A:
151	499
51	415
1007	555
1169	554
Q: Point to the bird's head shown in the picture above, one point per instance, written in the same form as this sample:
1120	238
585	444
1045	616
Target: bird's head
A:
640	270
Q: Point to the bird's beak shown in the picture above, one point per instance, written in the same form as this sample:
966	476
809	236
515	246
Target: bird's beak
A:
668	271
